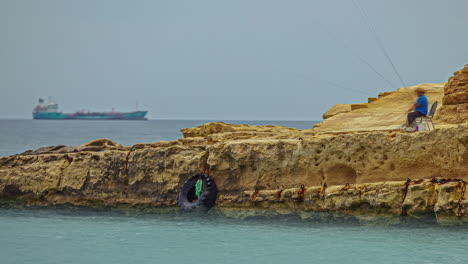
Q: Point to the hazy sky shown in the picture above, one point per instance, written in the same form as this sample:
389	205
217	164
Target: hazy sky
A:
242	59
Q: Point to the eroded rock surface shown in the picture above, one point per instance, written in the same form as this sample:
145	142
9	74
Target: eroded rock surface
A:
387	112
105	173
455	103
221	127
337	109
446	199
352	163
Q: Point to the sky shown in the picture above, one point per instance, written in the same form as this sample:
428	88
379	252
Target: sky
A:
222	60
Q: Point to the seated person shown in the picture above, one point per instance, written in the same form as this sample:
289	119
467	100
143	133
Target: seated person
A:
420	107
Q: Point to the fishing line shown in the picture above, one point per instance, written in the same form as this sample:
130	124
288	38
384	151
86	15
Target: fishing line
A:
346	88
353	52
373	32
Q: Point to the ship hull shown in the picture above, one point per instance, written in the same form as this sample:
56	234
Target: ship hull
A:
138	115
49	115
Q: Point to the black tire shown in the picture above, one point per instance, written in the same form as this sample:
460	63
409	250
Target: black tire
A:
187	199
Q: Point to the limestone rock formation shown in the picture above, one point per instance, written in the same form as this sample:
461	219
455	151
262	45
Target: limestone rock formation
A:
151	174
455	103
337	109
387	112
94	145
221	127
446	199
353	163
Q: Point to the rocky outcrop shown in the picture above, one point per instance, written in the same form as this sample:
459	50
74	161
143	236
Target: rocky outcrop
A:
221	127
445	199
94	145
455	103
353	163
240	162
348	158
385	113
337	109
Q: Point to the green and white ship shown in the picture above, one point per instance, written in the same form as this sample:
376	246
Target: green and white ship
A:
50	111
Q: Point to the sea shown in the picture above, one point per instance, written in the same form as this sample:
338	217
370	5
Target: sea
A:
49	235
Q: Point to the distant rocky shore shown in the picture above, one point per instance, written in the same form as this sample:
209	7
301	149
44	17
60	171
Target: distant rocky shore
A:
355	163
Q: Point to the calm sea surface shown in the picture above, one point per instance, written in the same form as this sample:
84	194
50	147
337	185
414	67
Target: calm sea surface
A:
52	235
49	236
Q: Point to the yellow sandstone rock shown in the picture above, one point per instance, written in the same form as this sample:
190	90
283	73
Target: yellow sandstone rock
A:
337	109
387	112
153	174
221	127
353	164
455	108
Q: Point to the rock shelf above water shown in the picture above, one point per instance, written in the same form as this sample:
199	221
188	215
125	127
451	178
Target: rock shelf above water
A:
354	162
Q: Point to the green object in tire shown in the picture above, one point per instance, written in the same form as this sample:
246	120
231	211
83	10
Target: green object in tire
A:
198	188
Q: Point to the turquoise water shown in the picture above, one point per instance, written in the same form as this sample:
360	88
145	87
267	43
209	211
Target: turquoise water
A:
83	236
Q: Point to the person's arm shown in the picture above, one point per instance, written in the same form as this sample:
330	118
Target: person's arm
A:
414	106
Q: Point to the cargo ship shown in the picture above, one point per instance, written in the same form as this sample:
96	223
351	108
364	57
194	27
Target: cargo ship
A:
50	111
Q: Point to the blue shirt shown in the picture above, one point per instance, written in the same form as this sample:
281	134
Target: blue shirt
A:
422	102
